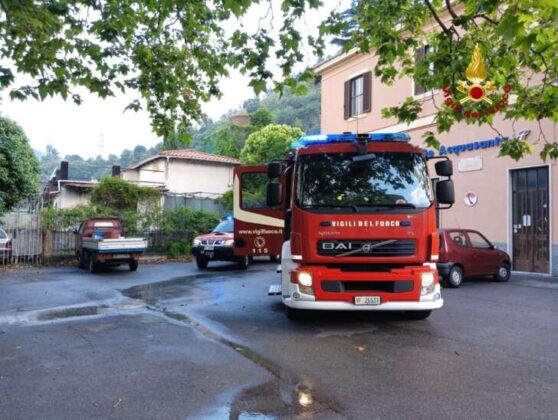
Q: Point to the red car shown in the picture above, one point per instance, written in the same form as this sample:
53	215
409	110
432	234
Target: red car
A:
217	245
467	253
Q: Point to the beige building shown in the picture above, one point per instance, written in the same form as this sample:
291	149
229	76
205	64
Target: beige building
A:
185	172
511	203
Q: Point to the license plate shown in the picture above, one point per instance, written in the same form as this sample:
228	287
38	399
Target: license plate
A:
121	256
208	254
208	248
367	300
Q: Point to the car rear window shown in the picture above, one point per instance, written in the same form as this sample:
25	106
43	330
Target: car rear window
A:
104	224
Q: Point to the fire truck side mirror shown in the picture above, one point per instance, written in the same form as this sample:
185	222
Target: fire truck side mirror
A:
444	168
445	193
274	170
273	194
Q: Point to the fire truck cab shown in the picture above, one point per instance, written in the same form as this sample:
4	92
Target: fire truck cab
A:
355	217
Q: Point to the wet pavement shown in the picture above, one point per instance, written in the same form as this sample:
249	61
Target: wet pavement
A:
170	341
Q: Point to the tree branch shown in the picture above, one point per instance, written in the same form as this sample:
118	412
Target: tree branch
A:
450	10
446	30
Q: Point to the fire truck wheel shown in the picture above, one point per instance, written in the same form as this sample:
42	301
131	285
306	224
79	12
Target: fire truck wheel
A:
201	262
455	277
418	315
133	265
243	262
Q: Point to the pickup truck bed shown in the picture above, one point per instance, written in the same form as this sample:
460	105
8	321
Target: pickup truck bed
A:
108	246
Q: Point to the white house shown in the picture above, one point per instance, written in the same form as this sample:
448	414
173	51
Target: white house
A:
185	172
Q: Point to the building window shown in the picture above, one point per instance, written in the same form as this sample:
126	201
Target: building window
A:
358	91
420	55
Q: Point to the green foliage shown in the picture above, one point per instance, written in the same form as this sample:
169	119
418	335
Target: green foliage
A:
116	193
170	54
518	39
19	168
186	219
227	200
230	139
269	143
180	139
177	248
261	117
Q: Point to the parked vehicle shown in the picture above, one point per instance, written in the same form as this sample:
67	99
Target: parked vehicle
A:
218	245
99	241
5	245
467	253
359	220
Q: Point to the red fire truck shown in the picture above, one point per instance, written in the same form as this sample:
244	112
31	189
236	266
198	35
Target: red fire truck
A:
355	216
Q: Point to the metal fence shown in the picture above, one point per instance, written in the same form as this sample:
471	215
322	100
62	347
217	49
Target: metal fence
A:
31	242
23	241
194	201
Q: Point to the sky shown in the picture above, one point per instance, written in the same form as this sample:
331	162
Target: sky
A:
100	126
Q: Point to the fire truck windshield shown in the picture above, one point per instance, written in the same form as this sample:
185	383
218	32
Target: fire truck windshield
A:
333	182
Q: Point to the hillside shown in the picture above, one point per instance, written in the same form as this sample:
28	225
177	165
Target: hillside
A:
301	111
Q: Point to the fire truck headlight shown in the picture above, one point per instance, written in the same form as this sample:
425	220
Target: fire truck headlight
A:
305	279
427	279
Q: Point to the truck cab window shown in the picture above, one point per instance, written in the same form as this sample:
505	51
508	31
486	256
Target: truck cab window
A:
254	186
391	181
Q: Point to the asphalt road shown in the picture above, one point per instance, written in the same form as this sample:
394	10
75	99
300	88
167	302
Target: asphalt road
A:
169	341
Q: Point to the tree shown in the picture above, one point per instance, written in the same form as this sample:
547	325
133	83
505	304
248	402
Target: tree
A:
261	117
49	162
180	139
170	53
230	139
19	168
269	143
118	194
518	39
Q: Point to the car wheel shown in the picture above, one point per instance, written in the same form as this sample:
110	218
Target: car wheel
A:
417	315
133	265
201	262
503	273
92	266
455	277
243	262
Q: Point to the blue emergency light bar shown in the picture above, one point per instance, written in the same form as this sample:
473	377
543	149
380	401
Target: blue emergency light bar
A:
348	138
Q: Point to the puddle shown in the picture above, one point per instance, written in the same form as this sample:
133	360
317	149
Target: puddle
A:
271	400
152	293
70	312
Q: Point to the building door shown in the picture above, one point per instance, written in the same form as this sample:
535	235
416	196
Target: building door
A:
530	209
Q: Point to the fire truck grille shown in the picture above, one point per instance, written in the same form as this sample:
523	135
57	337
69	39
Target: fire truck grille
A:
367	248
336	286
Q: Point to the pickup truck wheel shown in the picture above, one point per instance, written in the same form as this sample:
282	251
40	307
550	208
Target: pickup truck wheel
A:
81	260
133	265
417	315
243	262
93	266
201	262
503	273
455	277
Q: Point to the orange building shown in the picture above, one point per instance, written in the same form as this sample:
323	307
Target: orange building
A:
512	203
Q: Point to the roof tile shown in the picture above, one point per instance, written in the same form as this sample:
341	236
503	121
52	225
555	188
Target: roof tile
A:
197	155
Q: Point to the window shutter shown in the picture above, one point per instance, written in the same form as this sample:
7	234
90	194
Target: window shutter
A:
347	102
367	90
